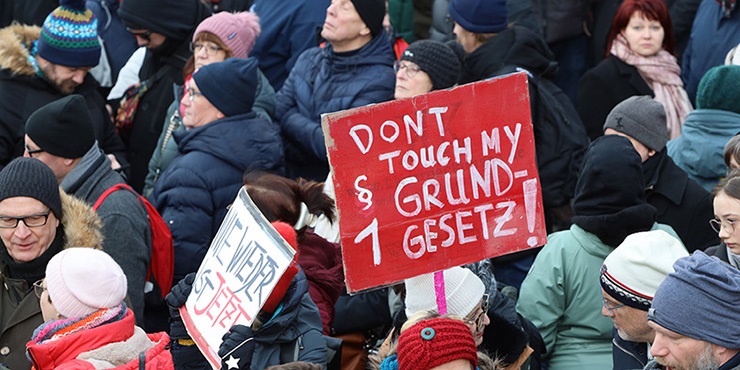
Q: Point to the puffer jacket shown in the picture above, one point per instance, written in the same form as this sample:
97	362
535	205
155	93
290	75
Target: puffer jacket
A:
193	194
323	81
19	307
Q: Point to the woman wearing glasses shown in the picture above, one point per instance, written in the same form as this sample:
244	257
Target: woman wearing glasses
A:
219	37
727	213
424	66
37	221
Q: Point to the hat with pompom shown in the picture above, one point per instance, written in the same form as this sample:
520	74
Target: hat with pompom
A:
237	30
69	36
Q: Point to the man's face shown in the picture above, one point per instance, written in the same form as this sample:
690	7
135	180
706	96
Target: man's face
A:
147	38
343	27
465	38
60	166
678	352
631	323
65	79
26	243
644	152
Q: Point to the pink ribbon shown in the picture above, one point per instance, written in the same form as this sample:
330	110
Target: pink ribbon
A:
439	289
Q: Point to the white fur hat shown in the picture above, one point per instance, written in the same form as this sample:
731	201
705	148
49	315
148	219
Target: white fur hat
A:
463	289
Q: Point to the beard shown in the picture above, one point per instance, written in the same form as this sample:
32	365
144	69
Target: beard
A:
704	361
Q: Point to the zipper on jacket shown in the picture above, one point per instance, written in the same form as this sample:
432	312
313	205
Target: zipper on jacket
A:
614	341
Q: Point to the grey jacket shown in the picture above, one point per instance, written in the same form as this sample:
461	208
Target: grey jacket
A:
127	236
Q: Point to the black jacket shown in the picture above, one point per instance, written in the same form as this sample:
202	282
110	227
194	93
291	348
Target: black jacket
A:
602	88
628	355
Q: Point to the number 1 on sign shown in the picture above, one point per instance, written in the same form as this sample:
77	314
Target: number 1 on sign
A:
371	229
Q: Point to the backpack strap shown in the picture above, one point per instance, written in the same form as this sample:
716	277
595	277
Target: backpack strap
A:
107	192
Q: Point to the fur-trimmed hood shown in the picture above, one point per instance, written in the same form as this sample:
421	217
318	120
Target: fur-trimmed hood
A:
15	42
82	226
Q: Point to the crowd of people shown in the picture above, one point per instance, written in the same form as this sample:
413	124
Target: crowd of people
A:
635	108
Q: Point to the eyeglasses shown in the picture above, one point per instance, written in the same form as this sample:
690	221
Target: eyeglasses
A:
477	323
192	94
196	47
610	308
718	225
144	35
30	151
411	69
35	220
38	288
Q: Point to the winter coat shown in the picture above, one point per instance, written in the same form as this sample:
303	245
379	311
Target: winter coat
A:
561	295
289	27
700	149
118	43
22	92
628	355
32	12
720	251
19	307
683	204
193	194
323	82
115	345
166	149
321	261
125	221
562	20
602	88
712	37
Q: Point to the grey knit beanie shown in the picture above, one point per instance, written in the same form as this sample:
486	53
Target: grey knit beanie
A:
29	177
641	118
437	60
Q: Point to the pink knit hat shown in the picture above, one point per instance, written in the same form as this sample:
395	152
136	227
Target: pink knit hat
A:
237	30
81	281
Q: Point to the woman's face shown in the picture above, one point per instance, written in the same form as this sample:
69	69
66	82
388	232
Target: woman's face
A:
478	320
410	80
727	214
206	52
198	110
644	36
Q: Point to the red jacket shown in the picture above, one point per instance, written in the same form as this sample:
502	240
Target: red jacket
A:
119	340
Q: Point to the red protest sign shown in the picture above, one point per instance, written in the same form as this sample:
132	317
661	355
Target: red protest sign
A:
435	181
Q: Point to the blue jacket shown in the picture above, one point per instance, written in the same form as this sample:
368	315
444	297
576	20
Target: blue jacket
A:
712	36
700	149
204	178
323	82
289	27
628	355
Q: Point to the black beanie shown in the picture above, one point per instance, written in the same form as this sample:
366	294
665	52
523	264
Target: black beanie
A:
372	13
63	127
176	19
229	85
435	58
29	177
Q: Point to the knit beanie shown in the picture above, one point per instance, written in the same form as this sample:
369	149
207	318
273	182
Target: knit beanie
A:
372	13
29	177
81	281
700	300
436	59
463	290
237	30
63	127
720	89
174	19
643	119
69	36
278	292
434	342
229	85
632	272
480	16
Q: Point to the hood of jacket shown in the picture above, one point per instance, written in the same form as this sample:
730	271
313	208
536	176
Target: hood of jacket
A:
321	261
294	316
15	46
378	51
82	226
515	46
242	141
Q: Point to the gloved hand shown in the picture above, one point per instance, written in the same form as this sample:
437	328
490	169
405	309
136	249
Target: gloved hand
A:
236	348
175	299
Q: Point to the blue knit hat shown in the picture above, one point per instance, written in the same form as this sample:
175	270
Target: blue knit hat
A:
480	16
229	85
69	36
700	300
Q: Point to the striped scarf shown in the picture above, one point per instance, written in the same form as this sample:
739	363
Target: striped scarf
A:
56	329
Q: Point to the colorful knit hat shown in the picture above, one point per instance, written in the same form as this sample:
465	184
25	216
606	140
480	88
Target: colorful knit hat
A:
69	36
434	342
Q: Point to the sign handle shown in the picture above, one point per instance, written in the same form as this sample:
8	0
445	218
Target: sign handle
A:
439	289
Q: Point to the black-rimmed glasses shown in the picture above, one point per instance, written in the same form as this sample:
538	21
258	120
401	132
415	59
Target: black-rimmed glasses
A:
35	220
143	34
30	151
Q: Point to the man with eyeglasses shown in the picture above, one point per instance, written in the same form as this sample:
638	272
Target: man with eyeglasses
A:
41	65
165	28
60	134
37	220
629	278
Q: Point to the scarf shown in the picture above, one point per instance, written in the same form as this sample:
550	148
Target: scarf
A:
35	269
662	73
56	329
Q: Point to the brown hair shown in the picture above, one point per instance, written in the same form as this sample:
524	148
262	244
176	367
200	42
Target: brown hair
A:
208	37
730	185
732	150
280	198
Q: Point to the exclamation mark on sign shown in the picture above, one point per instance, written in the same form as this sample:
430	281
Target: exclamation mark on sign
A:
530	202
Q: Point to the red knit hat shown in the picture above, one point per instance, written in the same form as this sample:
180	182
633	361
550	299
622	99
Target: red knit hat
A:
434	342
287	232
